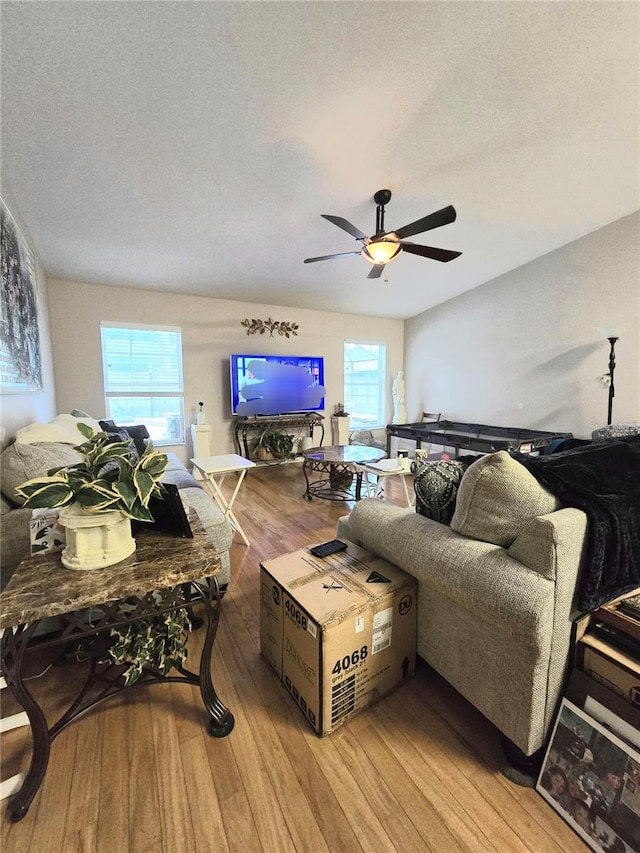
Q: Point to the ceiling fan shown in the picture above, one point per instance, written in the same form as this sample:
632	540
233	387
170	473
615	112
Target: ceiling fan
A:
384	246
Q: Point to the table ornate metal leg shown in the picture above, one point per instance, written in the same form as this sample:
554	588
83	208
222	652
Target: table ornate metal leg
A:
106	675
222	720
14	643
307	493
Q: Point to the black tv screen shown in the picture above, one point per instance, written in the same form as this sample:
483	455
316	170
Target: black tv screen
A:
276	384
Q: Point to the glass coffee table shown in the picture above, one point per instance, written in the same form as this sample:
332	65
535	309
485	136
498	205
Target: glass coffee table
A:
341	465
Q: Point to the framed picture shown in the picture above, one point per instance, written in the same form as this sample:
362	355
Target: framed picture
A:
591	777
20	364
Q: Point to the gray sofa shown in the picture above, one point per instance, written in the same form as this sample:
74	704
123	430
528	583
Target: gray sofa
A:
496	590
20	462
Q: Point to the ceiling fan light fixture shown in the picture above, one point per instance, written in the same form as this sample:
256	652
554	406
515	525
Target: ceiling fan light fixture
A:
381	251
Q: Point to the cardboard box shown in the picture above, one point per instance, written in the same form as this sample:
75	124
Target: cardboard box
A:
340	633
46	532
617	671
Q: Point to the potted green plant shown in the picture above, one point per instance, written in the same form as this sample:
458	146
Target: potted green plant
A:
109	486
274	445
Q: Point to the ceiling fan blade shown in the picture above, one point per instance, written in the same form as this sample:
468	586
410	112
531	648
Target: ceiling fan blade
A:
345	225
430	252
376	271
433	220
327	257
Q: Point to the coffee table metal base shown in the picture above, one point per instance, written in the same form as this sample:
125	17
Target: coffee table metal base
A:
342	484
341	466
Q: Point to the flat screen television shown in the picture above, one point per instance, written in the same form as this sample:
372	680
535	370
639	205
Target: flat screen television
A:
276	384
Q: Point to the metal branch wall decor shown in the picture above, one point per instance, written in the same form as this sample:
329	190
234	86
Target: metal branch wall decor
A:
282	327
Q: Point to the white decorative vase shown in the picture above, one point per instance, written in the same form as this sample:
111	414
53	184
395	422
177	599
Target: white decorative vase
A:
95	539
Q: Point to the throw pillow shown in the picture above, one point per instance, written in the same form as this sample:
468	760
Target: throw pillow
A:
496	499
138	432
124	435
22	462
62	429
436	487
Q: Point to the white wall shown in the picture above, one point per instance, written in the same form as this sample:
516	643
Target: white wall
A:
523	350
211	330
18	410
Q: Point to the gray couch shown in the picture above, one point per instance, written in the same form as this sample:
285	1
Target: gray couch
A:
496	590
20	462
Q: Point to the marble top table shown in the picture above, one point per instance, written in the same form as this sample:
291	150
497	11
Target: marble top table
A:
41	587
164	574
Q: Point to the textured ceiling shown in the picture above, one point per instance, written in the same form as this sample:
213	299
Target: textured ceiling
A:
192	146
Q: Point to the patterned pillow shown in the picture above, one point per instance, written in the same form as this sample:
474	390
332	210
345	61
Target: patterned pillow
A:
138	432
436	487
124	435
134	456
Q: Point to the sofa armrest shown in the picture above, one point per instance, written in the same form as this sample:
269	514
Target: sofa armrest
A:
495	623
479	576
211	517
16	541
554	544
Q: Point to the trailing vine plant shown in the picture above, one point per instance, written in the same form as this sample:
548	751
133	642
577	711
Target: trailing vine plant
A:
158	644
282	327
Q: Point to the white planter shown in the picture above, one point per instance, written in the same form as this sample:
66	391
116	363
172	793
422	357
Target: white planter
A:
95	539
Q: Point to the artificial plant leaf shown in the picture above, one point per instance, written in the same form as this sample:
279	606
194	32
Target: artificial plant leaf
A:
139	512
144	483
87	431
97	496
153	462
46	492
127	492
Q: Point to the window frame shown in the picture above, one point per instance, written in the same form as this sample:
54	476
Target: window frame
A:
177	393
381	416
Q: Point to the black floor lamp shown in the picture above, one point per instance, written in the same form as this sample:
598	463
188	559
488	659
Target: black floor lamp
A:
612	367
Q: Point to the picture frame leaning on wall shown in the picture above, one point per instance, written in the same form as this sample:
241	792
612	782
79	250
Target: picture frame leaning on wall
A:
591	777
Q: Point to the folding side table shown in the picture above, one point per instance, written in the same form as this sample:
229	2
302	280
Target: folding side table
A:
215	469
385	468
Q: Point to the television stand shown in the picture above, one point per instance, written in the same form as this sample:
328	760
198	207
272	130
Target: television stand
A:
244	427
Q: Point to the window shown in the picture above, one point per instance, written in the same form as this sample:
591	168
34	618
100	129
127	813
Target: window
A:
142	368
364	384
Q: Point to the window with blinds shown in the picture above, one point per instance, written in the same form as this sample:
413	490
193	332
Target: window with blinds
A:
364	384
142	369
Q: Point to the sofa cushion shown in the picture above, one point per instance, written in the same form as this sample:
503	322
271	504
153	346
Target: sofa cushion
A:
436	486
21	462
496	497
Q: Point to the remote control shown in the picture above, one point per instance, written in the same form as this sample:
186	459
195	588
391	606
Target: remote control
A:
327	548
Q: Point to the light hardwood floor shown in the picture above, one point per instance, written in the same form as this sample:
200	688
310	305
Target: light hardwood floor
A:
419	771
